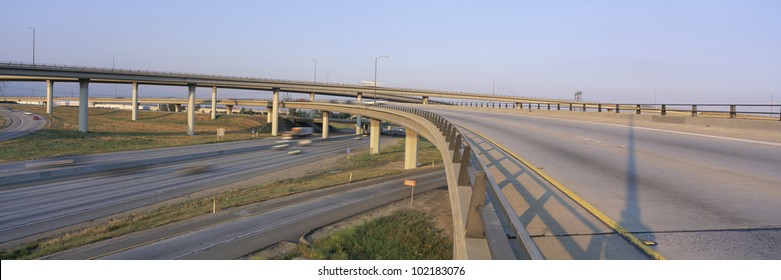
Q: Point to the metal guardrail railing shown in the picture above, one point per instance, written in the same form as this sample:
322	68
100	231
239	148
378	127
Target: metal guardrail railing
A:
472	172
732	111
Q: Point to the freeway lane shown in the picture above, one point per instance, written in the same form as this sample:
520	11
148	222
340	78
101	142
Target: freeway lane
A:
698	197
30	210
20	124
241	236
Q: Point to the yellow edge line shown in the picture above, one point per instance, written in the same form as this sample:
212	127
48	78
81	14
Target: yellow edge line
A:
590	208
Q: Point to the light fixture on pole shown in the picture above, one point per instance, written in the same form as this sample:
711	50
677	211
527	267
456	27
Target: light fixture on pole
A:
375	76
33	45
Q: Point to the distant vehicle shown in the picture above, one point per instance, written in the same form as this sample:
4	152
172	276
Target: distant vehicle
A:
36	118
280	146
400	131
28	113
299	132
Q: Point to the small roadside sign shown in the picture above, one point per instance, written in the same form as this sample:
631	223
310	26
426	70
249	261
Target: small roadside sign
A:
411	184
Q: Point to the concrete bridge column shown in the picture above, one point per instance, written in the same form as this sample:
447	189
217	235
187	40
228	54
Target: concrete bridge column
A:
134	100
358	126
326	120
191	109
214	102
410	149
178	108
312	97
374	137
425	100
275	113
83	104
49	96
228	109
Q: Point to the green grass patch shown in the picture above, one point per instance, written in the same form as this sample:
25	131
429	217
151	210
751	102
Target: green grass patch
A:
361	165
112	130
404	235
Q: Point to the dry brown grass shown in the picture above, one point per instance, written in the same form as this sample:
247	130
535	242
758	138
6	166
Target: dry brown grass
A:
112	130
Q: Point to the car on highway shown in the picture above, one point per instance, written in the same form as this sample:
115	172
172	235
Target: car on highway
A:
298	132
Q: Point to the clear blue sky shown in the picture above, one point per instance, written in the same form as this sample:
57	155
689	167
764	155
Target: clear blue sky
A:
613	51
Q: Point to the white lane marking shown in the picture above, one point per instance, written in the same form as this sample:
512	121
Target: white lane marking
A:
691	134
660	130
584	138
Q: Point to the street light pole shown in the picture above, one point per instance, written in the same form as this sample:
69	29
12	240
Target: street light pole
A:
493	85
315	60
33	45
113	60
375	77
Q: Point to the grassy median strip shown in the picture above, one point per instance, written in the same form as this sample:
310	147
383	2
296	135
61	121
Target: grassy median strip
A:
404	235
361	165
112	130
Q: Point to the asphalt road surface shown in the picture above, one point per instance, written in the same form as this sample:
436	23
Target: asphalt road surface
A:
20	124
698	197
246	234
34	208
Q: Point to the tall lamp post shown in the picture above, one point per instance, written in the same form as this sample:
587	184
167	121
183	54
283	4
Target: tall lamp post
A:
33	45
113	61
315	60
375	77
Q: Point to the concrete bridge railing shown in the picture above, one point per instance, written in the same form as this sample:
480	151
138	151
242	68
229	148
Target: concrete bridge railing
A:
469	186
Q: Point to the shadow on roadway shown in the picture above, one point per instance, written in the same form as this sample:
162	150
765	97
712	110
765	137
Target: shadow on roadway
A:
631	213
561	228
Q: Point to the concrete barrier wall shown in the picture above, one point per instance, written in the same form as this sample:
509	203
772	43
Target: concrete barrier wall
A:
768	125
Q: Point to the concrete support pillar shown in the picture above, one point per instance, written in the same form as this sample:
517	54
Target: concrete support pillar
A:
83	104
191	109
49	96
326	120
358	125
178	108
374	136
410	149
229	109
214	102
425	100
275	113
312	97
134	100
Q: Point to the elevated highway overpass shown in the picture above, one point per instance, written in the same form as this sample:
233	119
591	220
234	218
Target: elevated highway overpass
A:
477	168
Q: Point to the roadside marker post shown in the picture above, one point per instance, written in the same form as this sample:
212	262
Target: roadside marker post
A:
411	184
